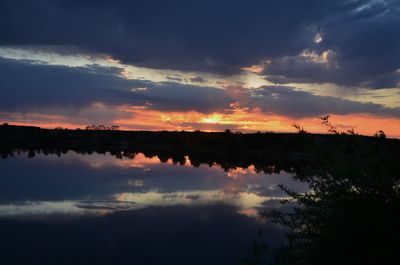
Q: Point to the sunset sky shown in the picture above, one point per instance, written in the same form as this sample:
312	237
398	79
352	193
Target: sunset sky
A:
209	65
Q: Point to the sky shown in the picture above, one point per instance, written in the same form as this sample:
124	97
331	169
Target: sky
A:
201	65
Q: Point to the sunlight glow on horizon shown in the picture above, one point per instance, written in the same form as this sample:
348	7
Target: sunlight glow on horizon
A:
240	119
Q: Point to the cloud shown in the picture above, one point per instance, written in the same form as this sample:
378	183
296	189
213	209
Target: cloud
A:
306	67
197	79
31	86
220	37
174	78
299	104
365	40
206	35
330	67
27	85
167	96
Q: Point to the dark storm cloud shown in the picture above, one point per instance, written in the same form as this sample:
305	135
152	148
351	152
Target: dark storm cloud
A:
365	41
303	68
372	73
203	35
26	85
299	104
214	36
168	96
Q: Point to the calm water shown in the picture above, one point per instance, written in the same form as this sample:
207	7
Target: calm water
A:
97	209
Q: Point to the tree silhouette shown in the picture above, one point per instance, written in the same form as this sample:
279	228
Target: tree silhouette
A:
299	128
325	121
380	134
351	215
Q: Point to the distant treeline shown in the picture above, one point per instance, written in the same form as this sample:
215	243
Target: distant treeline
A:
225	148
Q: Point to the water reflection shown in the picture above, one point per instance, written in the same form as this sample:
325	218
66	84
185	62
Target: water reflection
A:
182	198
97	208
77	184
343	207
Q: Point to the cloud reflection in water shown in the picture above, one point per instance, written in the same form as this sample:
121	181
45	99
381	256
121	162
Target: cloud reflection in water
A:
111	185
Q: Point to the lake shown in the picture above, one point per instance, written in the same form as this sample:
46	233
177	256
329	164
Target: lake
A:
98	209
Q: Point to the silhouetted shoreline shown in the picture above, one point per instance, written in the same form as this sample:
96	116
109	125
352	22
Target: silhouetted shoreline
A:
225	148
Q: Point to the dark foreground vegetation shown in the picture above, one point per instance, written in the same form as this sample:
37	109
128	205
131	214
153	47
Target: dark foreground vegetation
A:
351	215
